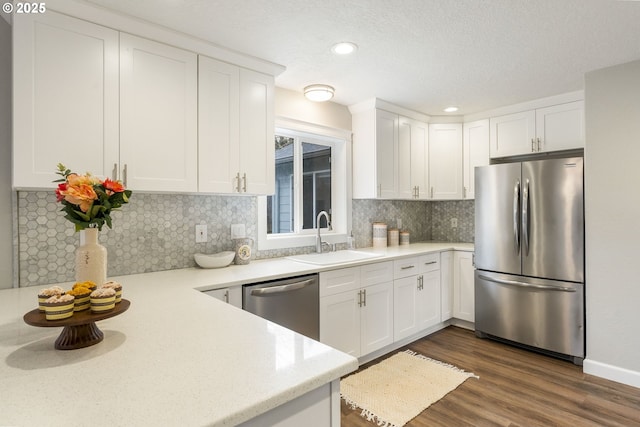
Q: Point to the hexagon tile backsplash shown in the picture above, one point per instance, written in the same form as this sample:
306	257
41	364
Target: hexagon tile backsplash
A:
156	232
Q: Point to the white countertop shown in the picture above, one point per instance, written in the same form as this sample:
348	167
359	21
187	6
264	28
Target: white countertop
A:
176	357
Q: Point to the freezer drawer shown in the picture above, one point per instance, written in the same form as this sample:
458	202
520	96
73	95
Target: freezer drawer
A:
546	314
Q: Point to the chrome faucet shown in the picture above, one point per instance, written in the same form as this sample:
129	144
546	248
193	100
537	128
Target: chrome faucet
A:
319	241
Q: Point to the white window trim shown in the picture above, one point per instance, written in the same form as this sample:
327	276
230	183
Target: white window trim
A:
341	206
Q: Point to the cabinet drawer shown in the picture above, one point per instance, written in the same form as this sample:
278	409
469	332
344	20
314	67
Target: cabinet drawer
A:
372	274
429	262
336	281
406	267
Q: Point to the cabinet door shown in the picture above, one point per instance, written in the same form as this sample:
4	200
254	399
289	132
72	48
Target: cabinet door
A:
404	173
475	152
376	327
257	119
445	161
231	296
560	127
420	159
512	134
386	154
463	286
340	322
218	126
429	300
158	116
446	285
405	307
65	98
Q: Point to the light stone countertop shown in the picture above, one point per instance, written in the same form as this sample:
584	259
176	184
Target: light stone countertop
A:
176	357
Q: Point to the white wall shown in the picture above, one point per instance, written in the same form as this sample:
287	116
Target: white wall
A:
612	205
6	233
294	105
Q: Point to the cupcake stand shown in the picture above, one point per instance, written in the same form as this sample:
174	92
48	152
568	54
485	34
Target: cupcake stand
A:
80	330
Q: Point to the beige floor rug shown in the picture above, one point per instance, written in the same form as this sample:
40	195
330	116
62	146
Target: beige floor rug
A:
394	391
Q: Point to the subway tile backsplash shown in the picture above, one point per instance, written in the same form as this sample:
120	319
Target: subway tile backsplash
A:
156	232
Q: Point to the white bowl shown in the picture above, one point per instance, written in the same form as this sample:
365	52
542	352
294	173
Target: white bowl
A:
221	259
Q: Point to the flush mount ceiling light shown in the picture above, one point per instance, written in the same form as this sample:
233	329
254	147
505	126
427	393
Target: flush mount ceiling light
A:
319	93
451	109
344	48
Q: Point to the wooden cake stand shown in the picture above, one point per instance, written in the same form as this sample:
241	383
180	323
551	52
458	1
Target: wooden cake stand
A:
80	330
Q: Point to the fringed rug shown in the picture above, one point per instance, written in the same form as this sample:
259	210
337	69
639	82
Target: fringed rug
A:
394	391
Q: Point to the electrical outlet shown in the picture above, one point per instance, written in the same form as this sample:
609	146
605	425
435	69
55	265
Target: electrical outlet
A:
238	231
454	222
201	233
399	221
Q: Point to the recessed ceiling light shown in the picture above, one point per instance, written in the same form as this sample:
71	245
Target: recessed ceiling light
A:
344	48
451	109
319	93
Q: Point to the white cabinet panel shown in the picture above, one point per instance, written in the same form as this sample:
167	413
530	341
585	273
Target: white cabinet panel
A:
445	161
405	307
65	103
386	146
446	285
158	116
512	134
475	152
379	272
463	286
337	281
560	127
405	136
231	296
377	317
429	300
340	322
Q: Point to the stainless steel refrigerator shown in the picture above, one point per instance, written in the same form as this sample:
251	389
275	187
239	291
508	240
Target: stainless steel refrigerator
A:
529	254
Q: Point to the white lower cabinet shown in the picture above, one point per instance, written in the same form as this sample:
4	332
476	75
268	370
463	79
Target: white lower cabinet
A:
446	285
356	308
463	286
231	295
416	288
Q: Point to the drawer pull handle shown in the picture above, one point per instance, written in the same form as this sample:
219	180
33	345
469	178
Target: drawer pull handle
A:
407	267
430	262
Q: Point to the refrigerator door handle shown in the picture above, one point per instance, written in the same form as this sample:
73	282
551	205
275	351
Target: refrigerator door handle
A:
516	216
525	219
526	285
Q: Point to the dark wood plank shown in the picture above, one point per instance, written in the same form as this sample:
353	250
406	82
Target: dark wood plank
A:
517	387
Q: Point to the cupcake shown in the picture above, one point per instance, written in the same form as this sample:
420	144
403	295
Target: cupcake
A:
88	284
103	300
47	293
59	307
82	298
116	287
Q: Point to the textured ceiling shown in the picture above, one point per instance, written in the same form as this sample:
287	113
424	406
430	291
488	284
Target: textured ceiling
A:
420	54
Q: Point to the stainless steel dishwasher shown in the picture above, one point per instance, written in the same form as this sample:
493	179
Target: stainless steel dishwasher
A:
292	303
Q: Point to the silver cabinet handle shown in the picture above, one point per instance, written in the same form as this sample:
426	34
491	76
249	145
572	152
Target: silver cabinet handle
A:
420	283
364	297
114	172
516	216
526	285
360	298
407	267
464	192
238	182
538	139
533	146
430	262
432	192
281	289
525	219
124	175
226	296
244	183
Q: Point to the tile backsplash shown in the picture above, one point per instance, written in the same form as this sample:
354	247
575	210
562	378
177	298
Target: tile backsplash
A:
157	231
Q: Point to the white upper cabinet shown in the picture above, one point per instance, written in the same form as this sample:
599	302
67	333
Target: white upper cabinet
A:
475	152
558	127
65	103
158	116
445	161
386	151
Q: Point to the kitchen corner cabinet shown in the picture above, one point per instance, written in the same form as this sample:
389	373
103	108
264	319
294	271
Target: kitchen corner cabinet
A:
356	308
231	295
389	156
416	297
158	116
65	98
235	133
463	286
553	128
445	161
475	152
446	285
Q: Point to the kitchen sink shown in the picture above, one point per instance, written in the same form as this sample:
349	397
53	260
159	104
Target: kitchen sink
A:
338	257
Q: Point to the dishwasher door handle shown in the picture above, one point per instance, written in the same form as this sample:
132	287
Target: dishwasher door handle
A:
271	290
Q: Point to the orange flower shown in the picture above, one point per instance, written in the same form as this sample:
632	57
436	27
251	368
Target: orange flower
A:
77	180
82	195
114	186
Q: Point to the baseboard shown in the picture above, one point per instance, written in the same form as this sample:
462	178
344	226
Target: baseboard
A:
610	372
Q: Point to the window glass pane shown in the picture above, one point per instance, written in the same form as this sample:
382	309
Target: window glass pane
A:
316	183
280	207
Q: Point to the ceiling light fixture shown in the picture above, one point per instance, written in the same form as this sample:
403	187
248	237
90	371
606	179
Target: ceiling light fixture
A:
344	48
451	109
319	93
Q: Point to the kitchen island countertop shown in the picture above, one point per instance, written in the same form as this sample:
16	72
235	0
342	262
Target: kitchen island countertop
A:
176	357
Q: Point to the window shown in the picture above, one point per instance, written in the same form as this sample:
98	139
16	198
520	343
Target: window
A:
310	175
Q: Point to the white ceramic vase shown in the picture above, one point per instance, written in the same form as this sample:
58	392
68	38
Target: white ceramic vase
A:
91	258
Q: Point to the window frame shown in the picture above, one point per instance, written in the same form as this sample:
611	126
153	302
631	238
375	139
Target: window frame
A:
340	141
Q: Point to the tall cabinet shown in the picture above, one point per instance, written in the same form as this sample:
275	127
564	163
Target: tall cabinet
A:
445	165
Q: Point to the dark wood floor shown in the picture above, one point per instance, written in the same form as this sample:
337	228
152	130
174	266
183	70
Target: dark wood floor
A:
516	388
